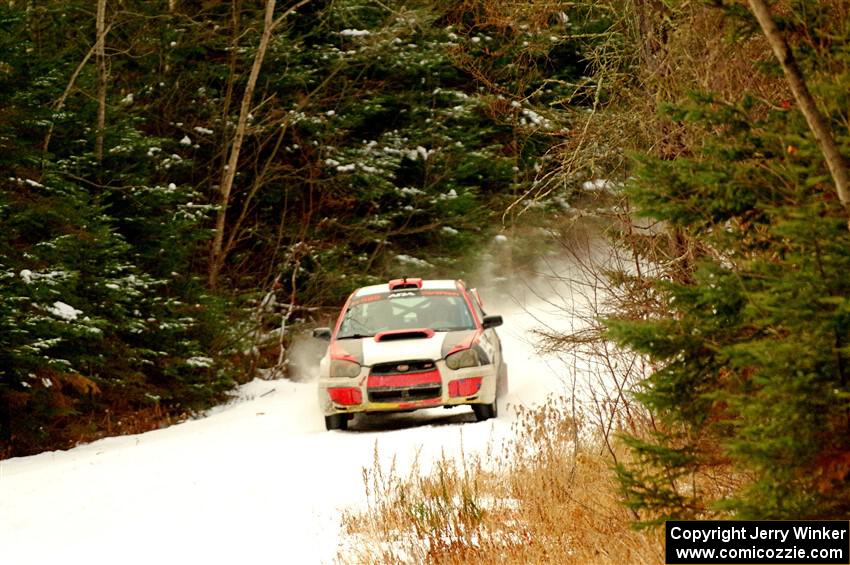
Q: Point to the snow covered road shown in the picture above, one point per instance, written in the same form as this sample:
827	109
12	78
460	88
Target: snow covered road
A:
256	481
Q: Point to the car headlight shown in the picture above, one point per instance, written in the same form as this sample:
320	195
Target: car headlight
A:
463	358
340	368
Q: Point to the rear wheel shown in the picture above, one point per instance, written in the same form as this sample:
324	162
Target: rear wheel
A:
336	422
485	411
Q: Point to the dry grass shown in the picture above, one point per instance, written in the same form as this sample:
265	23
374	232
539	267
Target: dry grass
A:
548	496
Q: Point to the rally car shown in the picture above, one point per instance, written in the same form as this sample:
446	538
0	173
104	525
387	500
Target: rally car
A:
411	344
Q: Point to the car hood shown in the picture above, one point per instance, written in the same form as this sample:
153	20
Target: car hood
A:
369	352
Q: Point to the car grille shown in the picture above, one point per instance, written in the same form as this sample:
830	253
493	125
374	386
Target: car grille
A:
404	381
407	394
403	367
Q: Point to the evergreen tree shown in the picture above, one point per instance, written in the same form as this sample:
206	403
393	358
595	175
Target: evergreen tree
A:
99	309
751	343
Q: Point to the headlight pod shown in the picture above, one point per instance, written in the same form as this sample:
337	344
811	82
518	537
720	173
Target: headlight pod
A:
347	369
463	358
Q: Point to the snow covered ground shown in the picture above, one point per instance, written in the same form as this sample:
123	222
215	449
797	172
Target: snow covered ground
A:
256	481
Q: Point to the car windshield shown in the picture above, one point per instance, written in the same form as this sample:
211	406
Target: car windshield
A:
439	310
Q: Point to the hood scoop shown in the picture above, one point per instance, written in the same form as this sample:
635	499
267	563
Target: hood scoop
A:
398	335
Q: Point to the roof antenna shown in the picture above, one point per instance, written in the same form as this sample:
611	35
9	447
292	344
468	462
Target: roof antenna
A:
404	280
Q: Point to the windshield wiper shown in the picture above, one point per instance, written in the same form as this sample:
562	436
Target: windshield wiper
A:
354	336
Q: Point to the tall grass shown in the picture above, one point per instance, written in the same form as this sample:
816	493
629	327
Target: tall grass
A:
548	496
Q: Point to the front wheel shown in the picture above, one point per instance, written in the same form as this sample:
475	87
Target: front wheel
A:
336	422
485	411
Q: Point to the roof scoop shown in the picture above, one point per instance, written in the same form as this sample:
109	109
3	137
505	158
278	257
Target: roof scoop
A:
397	335
403	283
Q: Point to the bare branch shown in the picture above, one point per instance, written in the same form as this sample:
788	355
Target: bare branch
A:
229	172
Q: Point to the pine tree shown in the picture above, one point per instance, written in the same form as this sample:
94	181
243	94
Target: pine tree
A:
751	346
99	306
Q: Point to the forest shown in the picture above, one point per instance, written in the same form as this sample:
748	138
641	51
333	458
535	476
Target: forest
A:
186	183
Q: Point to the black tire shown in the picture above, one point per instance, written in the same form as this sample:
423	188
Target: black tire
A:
485	411
336	422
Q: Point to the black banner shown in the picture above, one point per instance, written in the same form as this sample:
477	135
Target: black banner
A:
820	542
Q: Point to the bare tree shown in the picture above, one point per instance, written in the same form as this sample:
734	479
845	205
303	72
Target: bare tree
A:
100	56
229	170
60	103
265	173
817	124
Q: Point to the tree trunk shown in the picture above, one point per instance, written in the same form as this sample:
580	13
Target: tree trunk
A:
232	60
100	55
817	124
261	177
217	255
229	172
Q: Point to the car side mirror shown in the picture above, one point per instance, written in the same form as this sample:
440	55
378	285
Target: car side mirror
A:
491	322
322	333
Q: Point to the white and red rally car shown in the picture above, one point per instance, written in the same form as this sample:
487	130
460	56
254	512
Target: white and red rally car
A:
411	344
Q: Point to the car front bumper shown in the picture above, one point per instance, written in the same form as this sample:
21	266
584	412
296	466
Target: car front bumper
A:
469	385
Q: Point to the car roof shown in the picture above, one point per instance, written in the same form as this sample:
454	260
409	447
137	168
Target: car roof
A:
441	284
